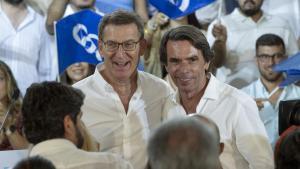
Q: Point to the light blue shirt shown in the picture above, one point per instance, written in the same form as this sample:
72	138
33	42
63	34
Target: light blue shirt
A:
269	113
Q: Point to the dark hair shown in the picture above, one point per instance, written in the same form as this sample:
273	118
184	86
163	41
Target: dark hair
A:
35	162
183	144
44	107
269	40
189	33
121	17
287	152
65	79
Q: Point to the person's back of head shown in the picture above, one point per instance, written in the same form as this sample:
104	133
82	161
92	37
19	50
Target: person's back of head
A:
45	107
211	124
287	151
35	162
183	144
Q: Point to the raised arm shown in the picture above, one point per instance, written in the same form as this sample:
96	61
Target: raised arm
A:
55	12
219	46
140	7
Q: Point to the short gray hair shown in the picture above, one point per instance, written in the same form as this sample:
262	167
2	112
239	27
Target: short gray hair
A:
183	144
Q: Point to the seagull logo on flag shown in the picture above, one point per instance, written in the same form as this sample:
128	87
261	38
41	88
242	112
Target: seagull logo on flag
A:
77	40
182	5
87	41
179	8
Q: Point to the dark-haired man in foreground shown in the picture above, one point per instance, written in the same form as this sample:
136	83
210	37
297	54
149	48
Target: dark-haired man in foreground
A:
52	122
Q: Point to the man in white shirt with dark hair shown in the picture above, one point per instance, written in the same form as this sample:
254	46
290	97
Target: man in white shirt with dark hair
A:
52	122
186	55
270	50
233	38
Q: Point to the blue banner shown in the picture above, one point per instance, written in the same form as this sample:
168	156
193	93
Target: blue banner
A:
291	67
77	39
179	8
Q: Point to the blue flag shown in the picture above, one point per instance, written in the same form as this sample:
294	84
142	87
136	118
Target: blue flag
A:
77	39
179	8
291	67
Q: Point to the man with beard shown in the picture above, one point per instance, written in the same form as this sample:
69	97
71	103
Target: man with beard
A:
24	43
233	37
52	122
270	50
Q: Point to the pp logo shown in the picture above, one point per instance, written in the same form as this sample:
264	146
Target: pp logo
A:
86	40
181	4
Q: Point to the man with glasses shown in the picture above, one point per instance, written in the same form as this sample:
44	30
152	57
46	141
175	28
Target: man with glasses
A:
122	104
270	50
233	37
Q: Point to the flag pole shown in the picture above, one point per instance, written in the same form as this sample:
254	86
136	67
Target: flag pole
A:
56	52
220	12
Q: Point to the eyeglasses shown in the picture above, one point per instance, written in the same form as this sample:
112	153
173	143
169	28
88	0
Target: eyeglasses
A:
264	58
127	46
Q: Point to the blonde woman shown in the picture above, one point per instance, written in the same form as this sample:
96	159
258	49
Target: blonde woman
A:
10	115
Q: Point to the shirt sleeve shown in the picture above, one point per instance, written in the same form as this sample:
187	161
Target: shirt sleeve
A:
251	137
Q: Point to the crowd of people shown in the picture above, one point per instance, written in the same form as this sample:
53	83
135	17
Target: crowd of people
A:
208	97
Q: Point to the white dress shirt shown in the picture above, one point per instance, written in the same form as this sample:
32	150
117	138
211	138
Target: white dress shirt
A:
242	32
241	130
26	49
269	113
65	155
288	10
118	131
